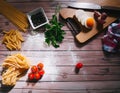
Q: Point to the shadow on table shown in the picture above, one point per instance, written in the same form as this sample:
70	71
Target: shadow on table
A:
5	89
108	54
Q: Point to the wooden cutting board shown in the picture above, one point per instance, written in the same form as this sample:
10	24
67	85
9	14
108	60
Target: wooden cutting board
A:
84	36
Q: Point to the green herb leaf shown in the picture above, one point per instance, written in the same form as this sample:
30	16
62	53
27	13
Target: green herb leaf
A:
54	33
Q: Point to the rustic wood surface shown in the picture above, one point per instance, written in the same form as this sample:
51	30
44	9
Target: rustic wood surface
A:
100	73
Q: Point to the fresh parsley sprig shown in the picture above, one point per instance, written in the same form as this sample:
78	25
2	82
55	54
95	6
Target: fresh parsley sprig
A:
54	33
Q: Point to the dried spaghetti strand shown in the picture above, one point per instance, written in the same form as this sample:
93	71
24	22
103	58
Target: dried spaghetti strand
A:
17	17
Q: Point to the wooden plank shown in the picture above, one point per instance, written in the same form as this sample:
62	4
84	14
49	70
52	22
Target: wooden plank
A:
85	71
91	85
41	1
67	74
48	6
38	41
93	58
103	2
64	91
73	78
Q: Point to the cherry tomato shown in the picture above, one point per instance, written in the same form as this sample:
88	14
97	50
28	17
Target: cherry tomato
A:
40	66
34	69
41	72
30	76
37	76
79	65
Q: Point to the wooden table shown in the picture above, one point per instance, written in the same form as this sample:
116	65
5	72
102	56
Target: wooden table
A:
100	73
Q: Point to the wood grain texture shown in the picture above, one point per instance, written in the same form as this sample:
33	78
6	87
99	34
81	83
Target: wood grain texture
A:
100	72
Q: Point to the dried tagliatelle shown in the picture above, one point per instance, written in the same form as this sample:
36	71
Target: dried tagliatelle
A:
13	39
15	66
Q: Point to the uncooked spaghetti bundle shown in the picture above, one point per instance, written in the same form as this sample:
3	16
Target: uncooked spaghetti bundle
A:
15	66
17	17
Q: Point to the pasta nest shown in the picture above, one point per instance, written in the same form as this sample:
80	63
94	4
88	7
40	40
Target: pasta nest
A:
15	67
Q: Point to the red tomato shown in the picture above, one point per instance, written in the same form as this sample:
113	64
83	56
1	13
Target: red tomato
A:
31	76
41	72
40	66
34	69
37	76
79	65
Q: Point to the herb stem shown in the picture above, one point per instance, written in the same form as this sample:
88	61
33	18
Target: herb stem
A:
54	33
